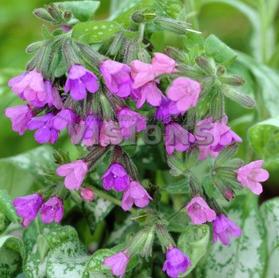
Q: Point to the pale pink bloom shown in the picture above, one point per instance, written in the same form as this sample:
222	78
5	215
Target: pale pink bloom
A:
199	211
74	173
163	64
117	263
110	133
251	176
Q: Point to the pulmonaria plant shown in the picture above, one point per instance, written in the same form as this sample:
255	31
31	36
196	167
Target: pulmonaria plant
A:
110	103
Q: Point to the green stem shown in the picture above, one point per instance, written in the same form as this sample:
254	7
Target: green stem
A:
191	7
141	32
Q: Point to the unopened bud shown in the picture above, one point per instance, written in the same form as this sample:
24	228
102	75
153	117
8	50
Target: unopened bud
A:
232	80
206	64
177	54
138	17
55	12
172	25
116	44
164	236
43	14
228	194
87	194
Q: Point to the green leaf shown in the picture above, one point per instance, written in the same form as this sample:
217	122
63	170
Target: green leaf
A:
12	254
268	82
95	263
95	31
270	215
17	173
246	256
217	49
263	138
6	206
82	10
194	242
178	187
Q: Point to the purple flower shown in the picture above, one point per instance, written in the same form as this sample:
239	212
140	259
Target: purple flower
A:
63	119
163	64
185	93
110	133
76	130
30	86
251	176
74	173
130	122
116	178
177	138
45	132
213	137
20	116
53	97
117	263
52	210
224	229
149	93
87	194
91	131
165	111
79	81
117	77
176	262
27	207
135	194
199	211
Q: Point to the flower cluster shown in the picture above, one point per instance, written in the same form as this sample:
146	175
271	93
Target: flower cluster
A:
51	108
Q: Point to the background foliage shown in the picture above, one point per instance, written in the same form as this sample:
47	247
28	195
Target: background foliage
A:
248	27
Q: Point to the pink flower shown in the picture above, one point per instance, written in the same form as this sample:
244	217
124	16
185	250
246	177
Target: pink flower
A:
52	210
117	77
74	173
117	263
142	73
135	194
91	131
149	93
63	119
110	133
30	86
199	211
87	194
185	93
224	229
212	137
251	176
163	64
20	117
130	122
177	138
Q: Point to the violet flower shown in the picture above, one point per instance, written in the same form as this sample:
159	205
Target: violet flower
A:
45	132
199	211
63	119
212	137
251	176
91	131
116	178
53	97
20	116
224	229
80	81
117	263
176	262
74	173
52	210
27	207
130	122
185	93
166	110
135	194
177	138
117	77
76	130
110	133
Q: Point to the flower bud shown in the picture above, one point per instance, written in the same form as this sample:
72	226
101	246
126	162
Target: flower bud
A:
206	64
172	25
87	194
232	80
43	14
